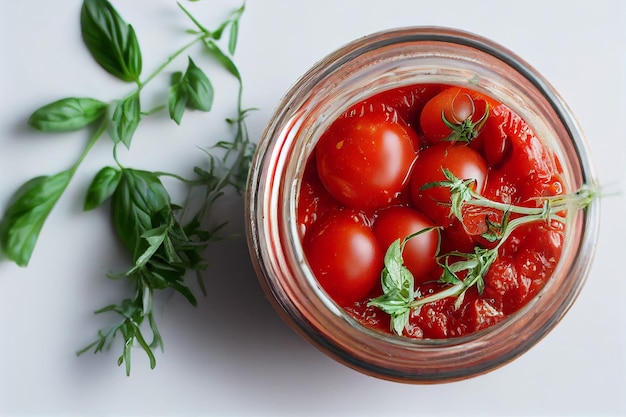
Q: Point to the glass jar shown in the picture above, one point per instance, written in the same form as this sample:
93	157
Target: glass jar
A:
369	65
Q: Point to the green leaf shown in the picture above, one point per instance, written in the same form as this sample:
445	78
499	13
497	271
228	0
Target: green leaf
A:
102	187
24	218
137	199
154	238
199	88
110	40
177	101
232	38
222	58
192	90
400	321
67	114
126	118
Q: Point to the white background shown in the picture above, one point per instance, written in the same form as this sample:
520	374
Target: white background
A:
232	355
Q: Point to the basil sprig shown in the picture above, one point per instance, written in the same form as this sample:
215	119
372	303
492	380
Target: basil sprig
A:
163	244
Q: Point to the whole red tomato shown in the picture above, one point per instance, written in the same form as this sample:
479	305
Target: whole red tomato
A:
461	160
365	162
419	252
465	109
344	255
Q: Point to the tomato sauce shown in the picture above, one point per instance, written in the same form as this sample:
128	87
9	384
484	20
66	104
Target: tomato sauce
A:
367	184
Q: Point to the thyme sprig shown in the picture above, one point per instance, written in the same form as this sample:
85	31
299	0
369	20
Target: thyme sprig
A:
462	271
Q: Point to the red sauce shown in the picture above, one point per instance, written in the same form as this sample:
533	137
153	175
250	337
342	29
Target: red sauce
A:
363	188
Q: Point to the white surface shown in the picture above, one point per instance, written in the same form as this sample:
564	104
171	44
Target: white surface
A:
232	355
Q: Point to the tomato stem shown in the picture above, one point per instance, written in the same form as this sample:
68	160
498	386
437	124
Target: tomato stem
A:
466	130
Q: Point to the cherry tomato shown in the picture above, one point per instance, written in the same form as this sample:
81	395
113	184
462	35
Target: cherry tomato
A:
457	105
419	252
344	255
365	162
462	161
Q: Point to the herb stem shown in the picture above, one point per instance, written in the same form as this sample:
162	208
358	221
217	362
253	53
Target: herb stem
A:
551	206
90	144
452	291
169	60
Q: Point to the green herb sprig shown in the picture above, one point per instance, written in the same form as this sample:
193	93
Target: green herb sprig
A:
462	271
164	241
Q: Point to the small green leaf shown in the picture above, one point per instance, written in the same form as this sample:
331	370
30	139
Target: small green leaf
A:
199	88
176	77
24	218
177	102
125	119
110	40
102	187
400	321
192	90
232	38
67	114
154	238
222	58
234	29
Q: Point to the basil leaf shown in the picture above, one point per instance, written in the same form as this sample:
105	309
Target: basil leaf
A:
199	88
177	100
102	187
67	114
400	321
24	218
193	90
125	119
110	40
138	199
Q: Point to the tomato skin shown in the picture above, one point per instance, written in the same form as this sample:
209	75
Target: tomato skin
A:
456	104
523	169
344	255
365	162
432	321
399	222
369	316
524	265
479	314
461	160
